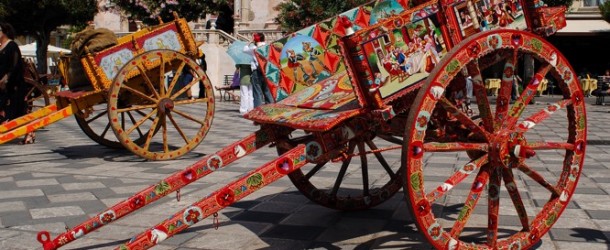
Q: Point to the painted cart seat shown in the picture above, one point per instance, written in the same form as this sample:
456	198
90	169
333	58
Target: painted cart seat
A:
318	107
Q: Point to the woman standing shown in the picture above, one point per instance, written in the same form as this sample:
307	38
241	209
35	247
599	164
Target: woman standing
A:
12	84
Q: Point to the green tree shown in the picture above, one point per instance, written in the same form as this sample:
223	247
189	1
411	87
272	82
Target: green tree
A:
297	14
147	11
605	9
39	18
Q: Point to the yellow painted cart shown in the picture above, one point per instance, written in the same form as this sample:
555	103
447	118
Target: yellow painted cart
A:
143	89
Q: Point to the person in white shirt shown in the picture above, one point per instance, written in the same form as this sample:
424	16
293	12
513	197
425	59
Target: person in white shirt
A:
260	90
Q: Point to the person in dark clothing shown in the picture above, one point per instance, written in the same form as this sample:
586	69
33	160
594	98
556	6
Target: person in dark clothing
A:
204	67
13	88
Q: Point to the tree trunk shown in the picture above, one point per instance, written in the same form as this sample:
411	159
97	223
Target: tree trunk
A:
42	44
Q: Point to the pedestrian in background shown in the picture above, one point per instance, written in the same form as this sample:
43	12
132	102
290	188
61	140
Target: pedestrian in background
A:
260	90
204	67
13	88
246	100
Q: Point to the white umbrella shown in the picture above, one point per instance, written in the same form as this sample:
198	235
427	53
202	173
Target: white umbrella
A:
30	49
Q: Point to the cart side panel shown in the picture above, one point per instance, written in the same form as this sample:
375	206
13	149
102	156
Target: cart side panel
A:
102	67
310	55
397	53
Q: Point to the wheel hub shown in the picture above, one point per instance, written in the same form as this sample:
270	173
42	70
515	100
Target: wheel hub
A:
165	105
507	147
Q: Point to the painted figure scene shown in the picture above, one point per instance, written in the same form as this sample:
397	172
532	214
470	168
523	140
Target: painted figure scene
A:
481	15
405	55
302	60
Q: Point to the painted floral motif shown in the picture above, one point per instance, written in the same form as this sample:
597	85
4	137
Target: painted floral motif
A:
214	163
284	166
192	215
225	197
107	217
137	202
162	188
256	180
435	231
314	150
188	176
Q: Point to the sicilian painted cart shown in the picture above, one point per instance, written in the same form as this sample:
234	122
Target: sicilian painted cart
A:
377	99
136	97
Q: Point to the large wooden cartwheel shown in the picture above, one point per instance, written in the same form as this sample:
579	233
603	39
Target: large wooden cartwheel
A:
171	123
362	177
489	173
37	96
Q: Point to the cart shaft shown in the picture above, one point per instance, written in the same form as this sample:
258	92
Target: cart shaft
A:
31	122
221	198
174	182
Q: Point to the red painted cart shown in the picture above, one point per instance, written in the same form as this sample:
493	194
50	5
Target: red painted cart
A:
368	104
134	93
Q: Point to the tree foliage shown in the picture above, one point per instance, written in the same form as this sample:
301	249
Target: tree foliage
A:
147	11
605	9
39	18
297	14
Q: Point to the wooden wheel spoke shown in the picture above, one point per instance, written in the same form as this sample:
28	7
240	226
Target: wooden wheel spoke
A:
187	116
457	178
513	192
162	76
105	130
493	206
525	98
136	107
481	94
506	87
185	88
144	114
538	178
175	79
138	93
381	159
133	122
342	171
551	145
97	116
198	100
147	80
151	133
454	146
171	118
365	170
141	121
462	117
315	170
541	115
471	202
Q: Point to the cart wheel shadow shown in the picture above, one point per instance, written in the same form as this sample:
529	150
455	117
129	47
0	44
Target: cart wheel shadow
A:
81	152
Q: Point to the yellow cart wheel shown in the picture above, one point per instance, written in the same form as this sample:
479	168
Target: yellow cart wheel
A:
156	84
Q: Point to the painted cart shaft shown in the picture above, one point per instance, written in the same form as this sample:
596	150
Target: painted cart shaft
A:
384	90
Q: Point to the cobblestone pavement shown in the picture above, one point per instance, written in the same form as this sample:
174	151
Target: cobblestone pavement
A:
65	177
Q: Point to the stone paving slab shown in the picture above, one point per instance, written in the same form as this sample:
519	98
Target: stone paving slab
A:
66	178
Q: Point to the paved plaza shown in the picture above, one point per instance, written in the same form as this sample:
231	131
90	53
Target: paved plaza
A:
66	178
